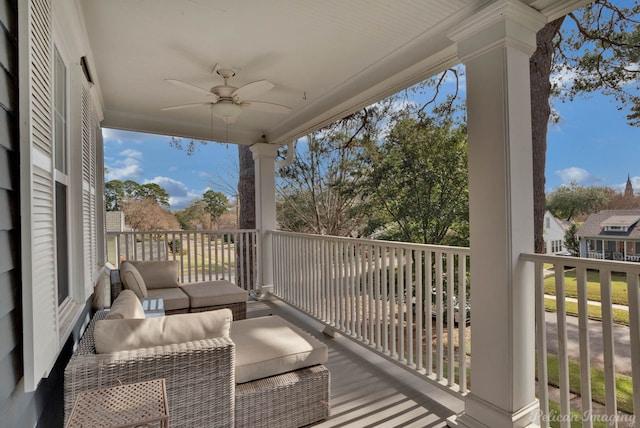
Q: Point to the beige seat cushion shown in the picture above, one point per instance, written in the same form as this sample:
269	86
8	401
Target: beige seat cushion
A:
268	346
132	280
213	293
126	306
174	299
122	335
158	273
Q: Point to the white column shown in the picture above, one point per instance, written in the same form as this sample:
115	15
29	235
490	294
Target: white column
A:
264	156
495	46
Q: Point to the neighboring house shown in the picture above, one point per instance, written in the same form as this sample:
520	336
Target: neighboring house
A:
114	223
611	235
554	230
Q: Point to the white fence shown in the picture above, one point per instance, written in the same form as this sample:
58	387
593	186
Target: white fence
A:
604	354
391	296
203	255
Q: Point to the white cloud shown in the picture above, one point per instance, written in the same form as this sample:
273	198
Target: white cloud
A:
563	78
125	169
577	175
130	153
180	196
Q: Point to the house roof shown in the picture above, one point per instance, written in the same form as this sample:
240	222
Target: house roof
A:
593	227
326	58
562	224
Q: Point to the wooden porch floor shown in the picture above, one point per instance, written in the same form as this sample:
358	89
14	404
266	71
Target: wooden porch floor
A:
366	389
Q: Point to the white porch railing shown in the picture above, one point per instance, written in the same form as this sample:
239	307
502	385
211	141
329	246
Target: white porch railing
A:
604	269
391	296
203	255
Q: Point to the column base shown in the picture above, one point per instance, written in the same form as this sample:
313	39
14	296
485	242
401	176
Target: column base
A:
265	292
481	414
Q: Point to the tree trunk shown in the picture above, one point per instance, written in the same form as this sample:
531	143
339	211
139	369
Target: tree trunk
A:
540	65
247	216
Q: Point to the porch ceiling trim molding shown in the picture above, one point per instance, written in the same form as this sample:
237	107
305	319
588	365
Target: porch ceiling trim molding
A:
475	31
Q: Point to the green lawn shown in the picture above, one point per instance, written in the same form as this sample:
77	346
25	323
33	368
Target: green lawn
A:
620	316
624	387
618	287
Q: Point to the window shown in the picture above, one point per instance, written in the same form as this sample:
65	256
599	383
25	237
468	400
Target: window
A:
61	176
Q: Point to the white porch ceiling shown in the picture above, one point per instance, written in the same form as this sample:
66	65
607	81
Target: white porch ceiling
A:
326	58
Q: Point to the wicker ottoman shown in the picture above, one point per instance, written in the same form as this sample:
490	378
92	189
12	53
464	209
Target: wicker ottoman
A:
282	381
212	295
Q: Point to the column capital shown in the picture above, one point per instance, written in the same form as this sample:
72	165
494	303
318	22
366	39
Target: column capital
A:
502	23
264	150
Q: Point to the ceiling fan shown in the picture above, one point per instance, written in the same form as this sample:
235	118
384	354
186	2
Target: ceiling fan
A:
227	101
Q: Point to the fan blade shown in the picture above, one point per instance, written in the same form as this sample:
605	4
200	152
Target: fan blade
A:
252	89
267	107
185	106
193	88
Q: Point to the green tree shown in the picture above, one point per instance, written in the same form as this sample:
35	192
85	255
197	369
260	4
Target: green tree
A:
600	46
113	195
418	181
571	241
117	192
215	203
319	192
153	191
568	202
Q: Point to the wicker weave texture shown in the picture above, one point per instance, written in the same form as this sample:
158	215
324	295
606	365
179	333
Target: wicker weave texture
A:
199	376
132	405
289	400
239	310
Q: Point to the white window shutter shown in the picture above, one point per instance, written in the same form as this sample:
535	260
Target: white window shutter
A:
39	296
89	208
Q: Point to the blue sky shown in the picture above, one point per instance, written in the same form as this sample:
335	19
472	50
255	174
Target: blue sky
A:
147	158
592	145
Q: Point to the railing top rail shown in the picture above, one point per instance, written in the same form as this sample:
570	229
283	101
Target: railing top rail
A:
607	265
217	231
393	244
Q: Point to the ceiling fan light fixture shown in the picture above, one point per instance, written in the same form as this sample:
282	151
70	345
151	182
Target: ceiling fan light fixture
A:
227	110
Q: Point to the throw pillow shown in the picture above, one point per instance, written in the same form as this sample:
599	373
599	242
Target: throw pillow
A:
132	280
126	306
158	273
125	335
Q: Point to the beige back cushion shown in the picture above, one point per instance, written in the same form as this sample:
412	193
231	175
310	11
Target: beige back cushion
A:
132	280
126	306
158	273
122	335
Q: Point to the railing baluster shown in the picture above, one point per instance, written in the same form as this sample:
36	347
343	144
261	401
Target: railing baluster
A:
409	307
419	308
541	346
583	327
563	356
393	263
607	338
439	354
450	319
385	299
634	330
462	322
428	289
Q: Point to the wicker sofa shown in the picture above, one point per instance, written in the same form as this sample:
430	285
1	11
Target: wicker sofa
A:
202	375
159	279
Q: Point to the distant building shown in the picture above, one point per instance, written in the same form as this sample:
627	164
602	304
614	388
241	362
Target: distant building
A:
628	189
554	230
114	223
611	235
